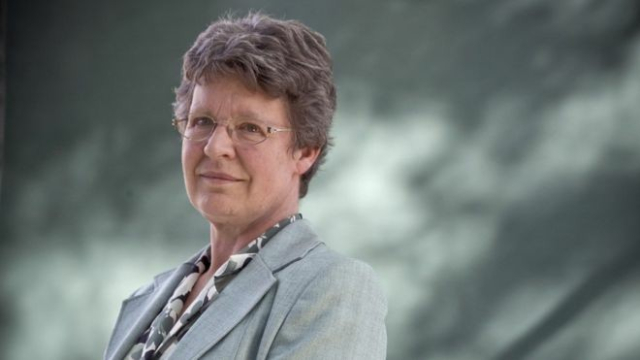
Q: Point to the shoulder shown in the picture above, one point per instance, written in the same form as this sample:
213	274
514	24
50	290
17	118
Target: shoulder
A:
149	287
323	264
297	253
329	271
160	279
300	261
326	274
329	306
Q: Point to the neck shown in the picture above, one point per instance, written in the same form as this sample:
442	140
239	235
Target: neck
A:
228	239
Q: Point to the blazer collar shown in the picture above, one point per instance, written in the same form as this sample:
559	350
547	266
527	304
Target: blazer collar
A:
227	310
139	311
291	244
232	305
246	290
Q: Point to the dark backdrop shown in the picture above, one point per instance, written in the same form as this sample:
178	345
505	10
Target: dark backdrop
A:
487	165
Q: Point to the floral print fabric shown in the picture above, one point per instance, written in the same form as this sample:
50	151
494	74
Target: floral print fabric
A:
159	340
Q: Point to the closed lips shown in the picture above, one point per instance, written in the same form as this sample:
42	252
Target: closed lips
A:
218	176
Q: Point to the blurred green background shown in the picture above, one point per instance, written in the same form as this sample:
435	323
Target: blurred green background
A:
487	165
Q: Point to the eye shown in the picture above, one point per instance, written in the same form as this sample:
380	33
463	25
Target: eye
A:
250	128
200	122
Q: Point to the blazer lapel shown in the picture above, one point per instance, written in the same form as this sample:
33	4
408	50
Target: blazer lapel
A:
232	305
290	245
246	290
146	307
225	312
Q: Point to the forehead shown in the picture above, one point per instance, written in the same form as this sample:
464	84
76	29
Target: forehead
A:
229	97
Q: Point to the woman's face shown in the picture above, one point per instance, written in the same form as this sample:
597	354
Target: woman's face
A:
237	184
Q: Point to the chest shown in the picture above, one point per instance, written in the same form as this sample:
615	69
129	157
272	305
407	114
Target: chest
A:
198	287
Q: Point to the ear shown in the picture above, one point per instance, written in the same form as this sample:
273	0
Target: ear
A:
304	159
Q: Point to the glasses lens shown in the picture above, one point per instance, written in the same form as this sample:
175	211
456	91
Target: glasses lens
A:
250	132
197	128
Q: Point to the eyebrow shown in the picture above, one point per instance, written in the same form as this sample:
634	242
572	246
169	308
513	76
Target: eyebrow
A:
244	114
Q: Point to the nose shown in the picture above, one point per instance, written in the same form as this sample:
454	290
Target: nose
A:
220	143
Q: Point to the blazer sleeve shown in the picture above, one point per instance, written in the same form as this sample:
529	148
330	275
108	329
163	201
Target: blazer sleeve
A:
339	315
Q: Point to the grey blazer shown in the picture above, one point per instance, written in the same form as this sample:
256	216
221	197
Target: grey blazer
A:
297	299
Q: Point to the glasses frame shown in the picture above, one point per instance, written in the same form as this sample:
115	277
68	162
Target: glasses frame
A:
270	131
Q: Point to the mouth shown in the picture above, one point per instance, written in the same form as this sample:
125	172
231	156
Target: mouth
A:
218	177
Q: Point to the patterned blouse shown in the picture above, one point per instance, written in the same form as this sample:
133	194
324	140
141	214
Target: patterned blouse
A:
166	330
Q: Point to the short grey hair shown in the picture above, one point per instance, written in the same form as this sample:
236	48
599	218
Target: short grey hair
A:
282	58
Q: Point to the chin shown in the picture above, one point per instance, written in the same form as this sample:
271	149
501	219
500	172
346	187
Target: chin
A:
216	209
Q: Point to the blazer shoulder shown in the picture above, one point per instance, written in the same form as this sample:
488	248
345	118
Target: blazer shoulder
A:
325	262
323	299
161	278
324	272
336	271
151	286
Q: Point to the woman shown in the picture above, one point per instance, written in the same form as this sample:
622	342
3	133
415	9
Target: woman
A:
254	108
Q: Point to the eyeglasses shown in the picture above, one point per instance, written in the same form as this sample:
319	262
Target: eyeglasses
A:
241	132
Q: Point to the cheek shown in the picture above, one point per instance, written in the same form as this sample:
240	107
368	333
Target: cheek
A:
190	159
191	152
270	171
258	166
